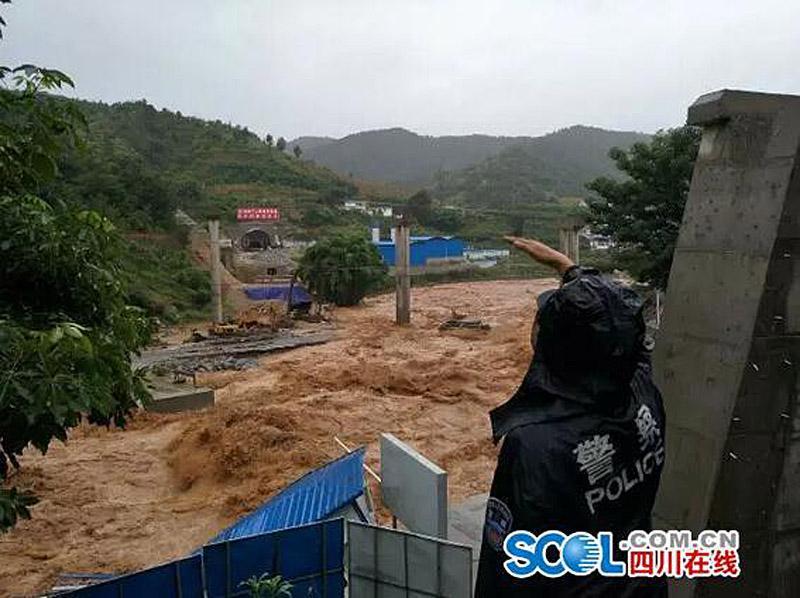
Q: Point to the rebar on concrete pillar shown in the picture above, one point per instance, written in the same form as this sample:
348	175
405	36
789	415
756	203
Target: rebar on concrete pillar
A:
216	270
402	274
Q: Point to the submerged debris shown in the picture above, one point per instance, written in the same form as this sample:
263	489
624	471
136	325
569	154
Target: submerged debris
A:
464	324
267	314
224	363
233	352
196	337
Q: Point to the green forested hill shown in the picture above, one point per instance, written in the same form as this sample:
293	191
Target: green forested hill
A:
535	170
211	151
399	155
308	142
138	164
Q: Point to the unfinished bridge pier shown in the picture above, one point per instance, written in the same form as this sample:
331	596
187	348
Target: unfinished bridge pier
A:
728	352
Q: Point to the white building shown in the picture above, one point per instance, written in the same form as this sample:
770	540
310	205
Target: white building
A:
365	208
481	255
600	242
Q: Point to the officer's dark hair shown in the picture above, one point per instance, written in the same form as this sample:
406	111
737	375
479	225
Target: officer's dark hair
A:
590	326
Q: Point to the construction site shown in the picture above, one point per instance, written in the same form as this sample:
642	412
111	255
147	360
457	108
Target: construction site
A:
542	342
342	429
348	449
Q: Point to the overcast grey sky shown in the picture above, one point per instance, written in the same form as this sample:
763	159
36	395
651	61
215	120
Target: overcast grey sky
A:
333	67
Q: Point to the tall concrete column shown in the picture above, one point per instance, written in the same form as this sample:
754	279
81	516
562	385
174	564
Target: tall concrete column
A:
402	268
216	270
569	229
728	350
569	243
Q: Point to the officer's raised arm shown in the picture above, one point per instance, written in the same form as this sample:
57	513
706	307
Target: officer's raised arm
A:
542	253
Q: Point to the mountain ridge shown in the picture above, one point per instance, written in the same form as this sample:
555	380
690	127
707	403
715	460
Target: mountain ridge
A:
399	155
538	170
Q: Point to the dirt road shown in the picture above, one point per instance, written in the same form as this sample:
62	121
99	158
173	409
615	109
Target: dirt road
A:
120	500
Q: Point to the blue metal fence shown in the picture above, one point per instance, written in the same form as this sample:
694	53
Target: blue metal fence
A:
310	557
274	539
177	579
275	292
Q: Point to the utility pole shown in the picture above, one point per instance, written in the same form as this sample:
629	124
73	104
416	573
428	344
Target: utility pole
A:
402	276
216	271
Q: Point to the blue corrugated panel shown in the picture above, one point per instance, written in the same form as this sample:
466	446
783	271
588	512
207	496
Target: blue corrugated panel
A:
177	579
428	238
310	557
300	295
315	496
386	249
423	249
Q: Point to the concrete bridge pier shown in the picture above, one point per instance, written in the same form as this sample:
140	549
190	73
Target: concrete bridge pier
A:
729	348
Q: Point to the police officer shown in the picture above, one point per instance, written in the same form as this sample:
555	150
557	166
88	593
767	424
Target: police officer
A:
583	436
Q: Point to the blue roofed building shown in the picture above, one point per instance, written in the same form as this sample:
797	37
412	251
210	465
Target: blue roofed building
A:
425	251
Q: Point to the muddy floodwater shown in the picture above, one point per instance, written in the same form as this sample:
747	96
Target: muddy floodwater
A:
114	501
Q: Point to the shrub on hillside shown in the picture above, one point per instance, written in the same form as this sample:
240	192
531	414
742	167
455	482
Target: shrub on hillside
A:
342	269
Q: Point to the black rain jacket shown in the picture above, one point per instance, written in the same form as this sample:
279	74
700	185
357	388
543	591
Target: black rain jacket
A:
583	439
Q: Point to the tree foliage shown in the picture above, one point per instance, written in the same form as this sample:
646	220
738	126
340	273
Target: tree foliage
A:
117	182
420	206
183	149
446	220
643	212
34	128
281	144
66	333
267	587
317	215
422	209
341	268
